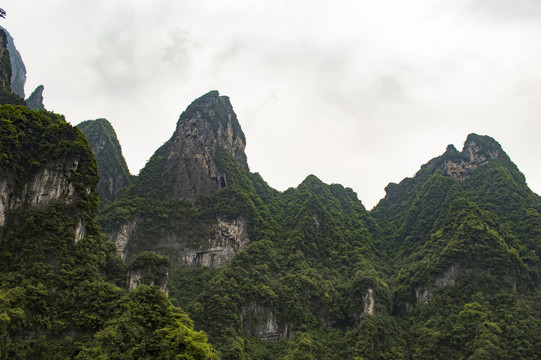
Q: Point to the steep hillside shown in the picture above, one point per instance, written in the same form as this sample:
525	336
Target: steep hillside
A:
112	167
313	274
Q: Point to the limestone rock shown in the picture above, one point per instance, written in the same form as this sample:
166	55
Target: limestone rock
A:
148	269
448	278
369	303
51	184
121	236
223	240
18	70
209	122
260	321
35	100
477	151
182	170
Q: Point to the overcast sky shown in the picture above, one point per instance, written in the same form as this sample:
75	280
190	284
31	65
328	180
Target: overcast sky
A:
360	93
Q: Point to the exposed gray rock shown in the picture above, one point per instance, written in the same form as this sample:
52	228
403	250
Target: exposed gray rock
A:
121	236
208	123
53	183
230	237
35	100
369	304
185	168
459	165
448	278
260	321
136	278
18	70
423	294
225	238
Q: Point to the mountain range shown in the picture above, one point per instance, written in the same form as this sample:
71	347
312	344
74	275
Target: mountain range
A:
196	257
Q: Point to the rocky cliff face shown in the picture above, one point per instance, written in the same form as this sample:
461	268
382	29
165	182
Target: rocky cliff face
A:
261	322
185	168
223	238
5	64
33	175
18	70
7	96
35	100
112	167
52	183
477	151
208	123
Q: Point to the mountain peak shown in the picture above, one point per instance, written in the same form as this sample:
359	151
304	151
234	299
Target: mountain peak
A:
185	166
477	151
480	149
217	110
35	100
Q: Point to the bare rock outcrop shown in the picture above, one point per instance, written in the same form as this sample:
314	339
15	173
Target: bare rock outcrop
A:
260	321
223	240
477	151
35	100
208	123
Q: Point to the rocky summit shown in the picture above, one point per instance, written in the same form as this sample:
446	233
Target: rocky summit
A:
189	167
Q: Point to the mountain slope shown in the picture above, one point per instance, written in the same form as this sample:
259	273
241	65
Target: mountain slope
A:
462	236
112	167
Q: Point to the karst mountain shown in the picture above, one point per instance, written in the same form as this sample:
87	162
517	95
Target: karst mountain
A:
197	257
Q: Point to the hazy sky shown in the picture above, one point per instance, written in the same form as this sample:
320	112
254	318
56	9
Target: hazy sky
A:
360	93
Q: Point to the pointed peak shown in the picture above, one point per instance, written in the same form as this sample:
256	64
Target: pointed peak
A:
477	151
35	100
311	180
482	147
209	100
451	149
